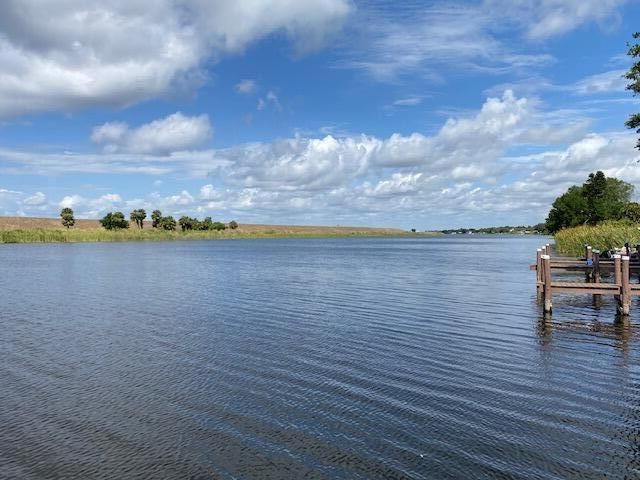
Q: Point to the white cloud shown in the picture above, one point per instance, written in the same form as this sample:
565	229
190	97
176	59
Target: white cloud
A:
208	192
246	87
607	82
475	165
493	36
36	200
550	18
173	133
54	56
407	102
270	99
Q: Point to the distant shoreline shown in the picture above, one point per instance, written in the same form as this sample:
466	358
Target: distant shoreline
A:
50	230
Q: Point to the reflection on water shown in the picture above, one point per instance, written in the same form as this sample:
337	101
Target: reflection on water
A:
340	358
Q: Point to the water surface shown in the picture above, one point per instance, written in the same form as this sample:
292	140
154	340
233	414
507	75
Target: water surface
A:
308	358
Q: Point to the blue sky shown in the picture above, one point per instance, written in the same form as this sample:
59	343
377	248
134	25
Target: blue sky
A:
412	114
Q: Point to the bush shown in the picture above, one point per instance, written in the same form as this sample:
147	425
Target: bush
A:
233	224
167	223
114	221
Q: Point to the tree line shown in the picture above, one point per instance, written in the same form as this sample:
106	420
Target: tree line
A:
598	199
117	220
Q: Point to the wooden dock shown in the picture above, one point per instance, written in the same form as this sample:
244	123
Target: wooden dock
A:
619	284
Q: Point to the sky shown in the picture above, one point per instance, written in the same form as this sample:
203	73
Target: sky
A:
413	114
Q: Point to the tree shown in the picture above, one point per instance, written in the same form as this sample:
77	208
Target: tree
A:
114	221
167	223
156	215
218	226
206	224
632	212
138	216
599	198
186	223
233	224
66	214
568	210
633	75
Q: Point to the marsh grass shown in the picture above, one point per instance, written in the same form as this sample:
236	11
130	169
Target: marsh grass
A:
132	234
605	236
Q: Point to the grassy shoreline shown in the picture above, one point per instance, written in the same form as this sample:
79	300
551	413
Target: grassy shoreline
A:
606	236
49	230
131	235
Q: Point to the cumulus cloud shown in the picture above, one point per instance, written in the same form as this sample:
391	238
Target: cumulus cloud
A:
173	133
475	165
61	61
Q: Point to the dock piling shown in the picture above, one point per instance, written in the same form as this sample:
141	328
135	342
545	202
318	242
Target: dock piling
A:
625	292
546	269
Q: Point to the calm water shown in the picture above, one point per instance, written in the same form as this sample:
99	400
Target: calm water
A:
340	358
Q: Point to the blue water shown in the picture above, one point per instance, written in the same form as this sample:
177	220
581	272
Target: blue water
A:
308	358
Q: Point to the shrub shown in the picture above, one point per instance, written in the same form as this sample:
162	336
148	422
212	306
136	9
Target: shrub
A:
233	224
114	221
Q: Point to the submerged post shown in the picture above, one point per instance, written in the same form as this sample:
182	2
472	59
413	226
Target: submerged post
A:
546	268
625	291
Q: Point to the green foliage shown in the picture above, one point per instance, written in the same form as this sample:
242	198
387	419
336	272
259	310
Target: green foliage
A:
188	223
568	210
631	212
633	75
114	221
138	216
598	199
219	226
167	223
156	215
605	236
206	224
66	214
233	224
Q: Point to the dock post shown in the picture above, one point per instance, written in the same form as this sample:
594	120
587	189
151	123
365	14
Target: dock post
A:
595	269
625	291
586	255
547	249
538	269
617	271
589	254
546	268
595	275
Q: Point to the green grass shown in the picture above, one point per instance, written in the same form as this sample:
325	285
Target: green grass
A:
608	235
127	235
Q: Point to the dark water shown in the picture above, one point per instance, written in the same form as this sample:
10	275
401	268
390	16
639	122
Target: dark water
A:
340	358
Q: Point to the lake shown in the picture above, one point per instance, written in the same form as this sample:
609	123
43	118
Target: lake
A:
349	358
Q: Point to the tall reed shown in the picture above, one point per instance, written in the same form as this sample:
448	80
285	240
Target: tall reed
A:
608	235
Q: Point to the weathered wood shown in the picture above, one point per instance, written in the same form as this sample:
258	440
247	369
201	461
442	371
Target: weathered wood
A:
625	290
587	288
546	269
538	269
